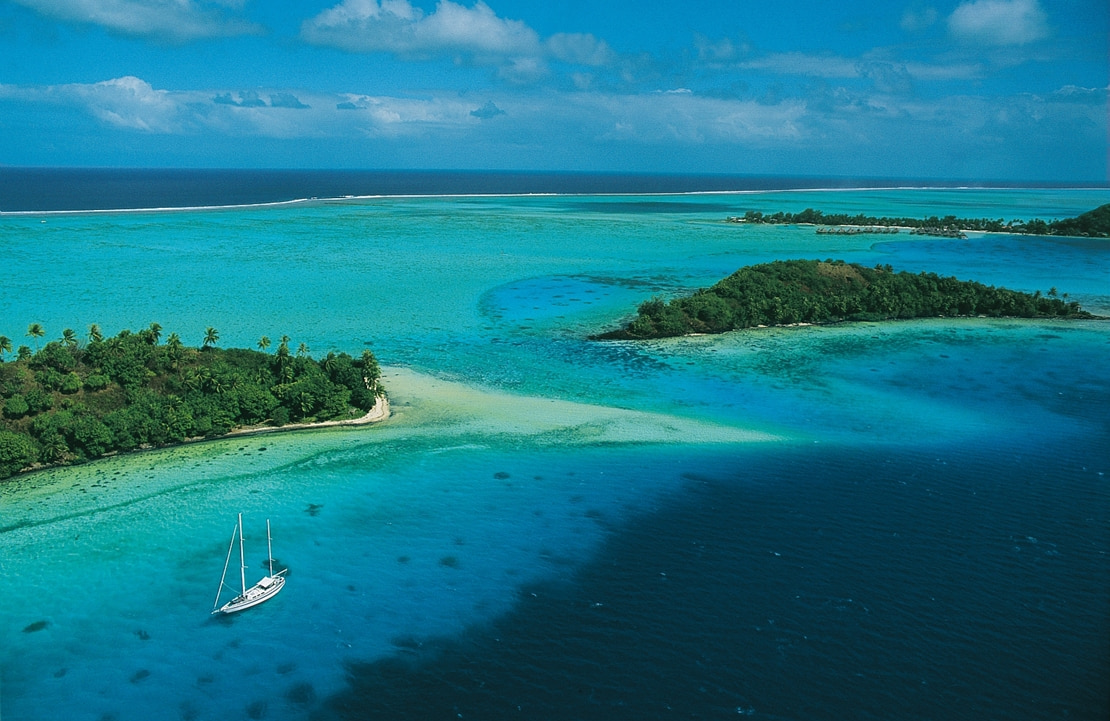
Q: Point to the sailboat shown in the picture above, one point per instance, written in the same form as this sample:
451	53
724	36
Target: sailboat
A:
264	590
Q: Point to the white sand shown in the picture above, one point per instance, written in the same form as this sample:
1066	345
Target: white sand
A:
442	406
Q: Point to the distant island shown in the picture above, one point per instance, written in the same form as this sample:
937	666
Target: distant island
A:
1092	224
71	401
810	291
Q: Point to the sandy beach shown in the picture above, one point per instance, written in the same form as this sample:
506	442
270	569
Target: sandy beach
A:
378	413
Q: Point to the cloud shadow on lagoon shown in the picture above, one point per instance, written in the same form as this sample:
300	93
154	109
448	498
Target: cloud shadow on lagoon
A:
813	584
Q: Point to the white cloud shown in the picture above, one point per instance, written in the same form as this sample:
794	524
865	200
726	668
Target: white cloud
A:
473	34
126	102
130	103
1077	94
818	66
683	117
172	20
580	49
396	26
721	51
951	71
999	22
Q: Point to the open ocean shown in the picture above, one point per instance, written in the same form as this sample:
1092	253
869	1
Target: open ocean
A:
905	520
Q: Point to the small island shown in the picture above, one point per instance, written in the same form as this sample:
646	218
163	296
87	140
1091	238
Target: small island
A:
1092	224
71	401
791	292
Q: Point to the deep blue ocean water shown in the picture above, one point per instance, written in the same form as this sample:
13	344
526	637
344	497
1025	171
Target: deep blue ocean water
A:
873	521
54	189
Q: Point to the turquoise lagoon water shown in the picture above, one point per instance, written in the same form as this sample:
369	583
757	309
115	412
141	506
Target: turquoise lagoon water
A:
904	520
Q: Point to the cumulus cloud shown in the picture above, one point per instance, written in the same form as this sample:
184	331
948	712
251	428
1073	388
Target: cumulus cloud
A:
1077	94
474	34
396	26
725	50
247	99
130	103
126	102
580	49
688	118
487	111
169	20
887	77
286	100
999	22
818	66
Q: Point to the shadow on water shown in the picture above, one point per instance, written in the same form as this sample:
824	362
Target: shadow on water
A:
946	583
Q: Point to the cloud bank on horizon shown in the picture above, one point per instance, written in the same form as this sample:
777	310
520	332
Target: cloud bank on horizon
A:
964	89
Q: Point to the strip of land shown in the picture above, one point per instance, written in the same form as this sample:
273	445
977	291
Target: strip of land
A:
1092	224
793	292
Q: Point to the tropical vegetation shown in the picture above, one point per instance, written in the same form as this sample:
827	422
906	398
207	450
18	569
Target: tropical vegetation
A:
810	291
71	401
1094	223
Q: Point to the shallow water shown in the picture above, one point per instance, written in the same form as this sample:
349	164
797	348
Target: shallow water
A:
844	521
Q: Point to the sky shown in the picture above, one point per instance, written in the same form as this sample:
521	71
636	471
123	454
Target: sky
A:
972	90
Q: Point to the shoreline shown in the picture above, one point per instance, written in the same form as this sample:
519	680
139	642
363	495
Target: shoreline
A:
380	412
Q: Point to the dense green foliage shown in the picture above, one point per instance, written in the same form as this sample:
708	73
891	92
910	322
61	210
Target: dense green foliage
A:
810	291
70	402
1094	223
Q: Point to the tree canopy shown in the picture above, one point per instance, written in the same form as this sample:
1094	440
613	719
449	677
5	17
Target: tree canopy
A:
1094	223
810	291
69	402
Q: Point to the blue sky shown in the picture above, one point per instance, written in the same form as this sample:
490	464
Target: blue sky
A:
959	89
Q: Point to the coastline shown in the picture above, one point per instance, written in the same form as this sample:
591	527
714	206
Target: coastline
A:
378	413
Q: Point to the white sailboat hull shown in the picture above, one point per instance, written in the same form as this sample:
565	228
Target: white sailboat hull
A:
264	590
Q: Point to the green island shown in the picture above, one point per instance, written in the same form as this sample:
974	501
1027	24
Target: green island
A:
1092	224
789	292
71	401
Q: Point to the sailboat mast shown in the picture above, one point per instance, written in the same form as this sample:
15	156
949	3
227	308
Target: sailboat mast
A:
242	561
227	562
269	548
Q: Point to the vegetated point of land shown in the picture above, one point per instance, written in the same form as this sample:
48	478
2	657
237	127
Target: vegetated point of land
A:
72	401
788	292
1092	224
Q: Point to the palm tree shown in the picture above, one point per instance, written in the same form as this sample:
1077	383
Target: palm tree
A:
263	343
155	332
35	331
211	336
370	369
69	337
94	334
173	349
5	346
302	350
